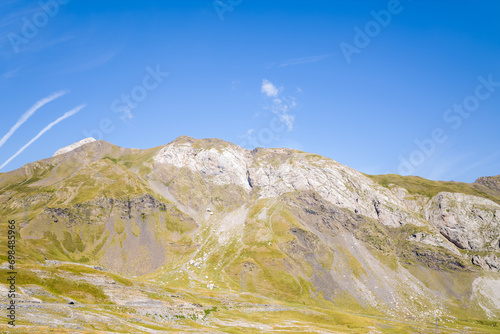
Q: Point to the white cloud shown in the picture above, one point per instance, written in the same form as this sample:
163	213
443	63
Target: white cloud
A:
127	114
248	133
475	165
11	74
248	139
440	169
268	88
29	113
93	61
45	129
303	60
282	107
282	119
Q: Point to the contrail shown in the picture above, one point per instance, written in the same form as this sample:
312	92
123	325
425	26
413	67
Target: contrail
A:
45	129
29	113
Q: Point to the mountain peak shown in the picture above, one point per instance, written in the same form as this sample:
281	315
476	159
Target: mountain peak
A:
184	139
74	146
491	182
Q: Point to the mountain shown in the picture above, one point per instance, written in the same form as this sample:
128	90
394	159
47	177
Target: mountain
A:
206	235
74	146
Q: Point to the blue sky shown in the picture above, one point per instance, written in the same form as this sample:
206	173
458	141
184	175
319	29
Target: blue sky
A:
409	87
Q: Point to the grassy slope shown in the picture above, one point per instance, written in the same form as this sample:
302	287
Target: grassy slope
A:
429	188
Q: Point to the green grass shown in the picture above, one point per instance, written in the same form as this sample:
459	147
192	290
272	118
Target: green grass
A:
78	242
80	291
54	247
136	230
119	225
353	263
175	223
99	246
113	160
429	188
68	242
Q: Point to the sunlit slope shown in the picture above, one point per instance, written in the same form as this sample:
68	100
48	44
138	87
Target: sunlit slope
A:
277	226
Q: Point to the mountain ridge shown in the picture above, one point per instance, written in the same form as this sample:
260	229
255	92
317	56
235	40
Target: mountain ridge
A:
208	215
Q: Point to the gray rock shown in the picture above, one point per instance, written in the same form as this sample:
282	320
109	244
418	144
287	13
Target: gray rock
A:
489	262
469	222
74	146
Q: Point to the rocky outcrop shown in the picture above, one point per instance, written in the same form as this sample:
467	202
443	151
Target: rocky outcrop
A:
470	222
489	262
275	172
491	182
433	240
223	165
74	146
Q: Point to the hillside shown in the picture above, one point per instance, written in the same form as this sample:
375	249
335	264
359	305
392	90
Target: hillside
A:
208	236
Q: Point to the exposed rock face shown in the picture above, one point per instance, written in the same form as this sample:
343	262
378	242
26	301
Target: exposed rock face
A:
491	182
469	222
490	262
433	240
278	171
73	146
226	165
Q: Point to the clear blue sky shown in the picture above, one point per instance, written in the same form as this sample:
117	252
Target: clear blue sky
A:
320	76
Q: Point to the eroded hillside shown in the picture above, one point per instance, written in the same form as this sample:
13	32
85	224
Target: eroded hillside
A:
206	234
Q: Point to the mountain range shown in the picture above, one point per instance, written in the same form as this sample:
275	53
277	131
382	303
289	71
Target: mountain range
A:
206	236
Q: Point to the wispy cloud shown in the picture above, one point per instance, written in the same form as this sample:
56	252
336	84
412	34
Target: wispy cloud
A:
16	10
30	113
93	62
282	119
248	134
303	60
11	73
45	129
268	88
476	164
441	168
281	106
12	18
36	45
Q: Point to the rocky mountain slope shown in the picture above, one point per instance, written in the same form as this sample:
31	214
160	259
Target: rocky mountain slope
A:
74	146
221	227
